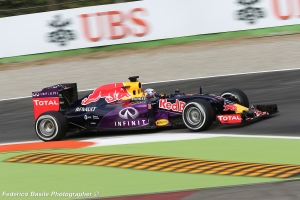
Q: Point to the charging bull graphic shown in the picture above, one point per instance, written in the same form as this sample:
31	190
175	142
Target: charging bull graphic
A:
111	93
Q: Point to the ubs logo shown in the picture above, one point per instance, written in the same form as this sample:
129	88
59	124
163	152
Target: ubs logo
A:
125	113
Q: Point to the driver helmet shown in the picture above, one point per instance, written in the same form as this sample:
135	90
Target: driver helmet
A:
150	93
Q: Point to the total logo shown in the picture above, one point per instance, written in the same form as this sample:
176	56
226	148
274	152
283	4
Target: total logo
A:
177	106
230	119
45	103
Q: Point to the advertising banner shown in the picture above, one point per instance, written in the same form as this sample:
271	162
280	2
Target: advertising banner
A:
138	21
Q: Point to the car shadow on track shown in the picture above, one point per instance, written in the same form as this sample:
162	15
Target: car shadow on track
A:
236	126
90	135
104	134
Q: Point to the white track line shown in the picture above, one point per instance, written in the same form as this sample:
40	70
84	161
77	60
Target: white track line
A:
244	73
166	137
25	142
156	137
161	137
15	98
258	136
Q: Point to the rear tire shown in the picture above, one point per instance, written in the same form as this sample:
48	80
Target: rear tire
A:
237	96
198	115
51	126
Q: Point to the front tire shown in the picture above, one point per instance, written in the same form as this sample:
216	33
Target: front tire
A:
198	115
51	126
237	96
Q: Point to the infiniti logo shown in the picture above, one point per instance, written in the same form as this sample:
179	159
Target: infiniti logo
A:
35	94
129	111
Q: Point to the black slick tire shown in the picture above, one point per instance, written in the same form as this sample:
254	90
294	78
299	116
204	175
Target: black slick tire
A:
237	96
51	126
198	115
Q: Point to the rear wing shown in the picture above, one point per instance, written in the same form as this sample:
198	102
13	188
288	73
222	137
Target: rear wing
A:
55	98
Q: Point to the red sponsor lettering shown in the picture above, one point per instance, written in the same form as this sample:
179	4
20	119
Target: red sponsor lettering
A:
288	8
45	102
177	106
168	105
139	22
229	119
86	26
116	20
181	105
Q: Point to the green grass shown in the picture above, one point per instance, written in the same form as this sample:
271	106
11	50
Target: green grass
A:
150	44
111	181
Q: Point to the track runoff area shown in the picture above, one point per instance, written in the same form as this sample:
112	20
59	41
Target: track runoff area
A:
166	160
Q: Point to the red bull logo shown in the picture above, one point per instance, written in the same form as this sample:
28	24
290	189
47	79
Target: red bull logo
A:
111	93
177	106
230	108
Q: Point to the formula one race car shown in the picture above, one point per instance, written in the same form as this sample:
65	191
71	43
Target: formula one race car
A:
124	106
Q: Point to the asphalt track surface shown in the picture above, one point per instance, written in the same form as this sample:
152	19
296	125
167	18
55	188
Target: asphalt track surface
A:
282	88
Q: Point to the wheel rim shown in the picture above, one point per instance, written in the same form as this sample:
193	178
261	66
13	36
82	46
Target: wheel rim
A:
47	127
194	116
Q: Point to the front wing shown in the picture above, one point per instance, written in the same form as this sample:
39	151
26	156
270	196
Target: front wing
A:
254	112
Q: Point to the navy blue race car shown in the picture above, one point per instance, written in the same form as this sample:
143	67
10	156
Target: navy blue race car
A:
125	106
